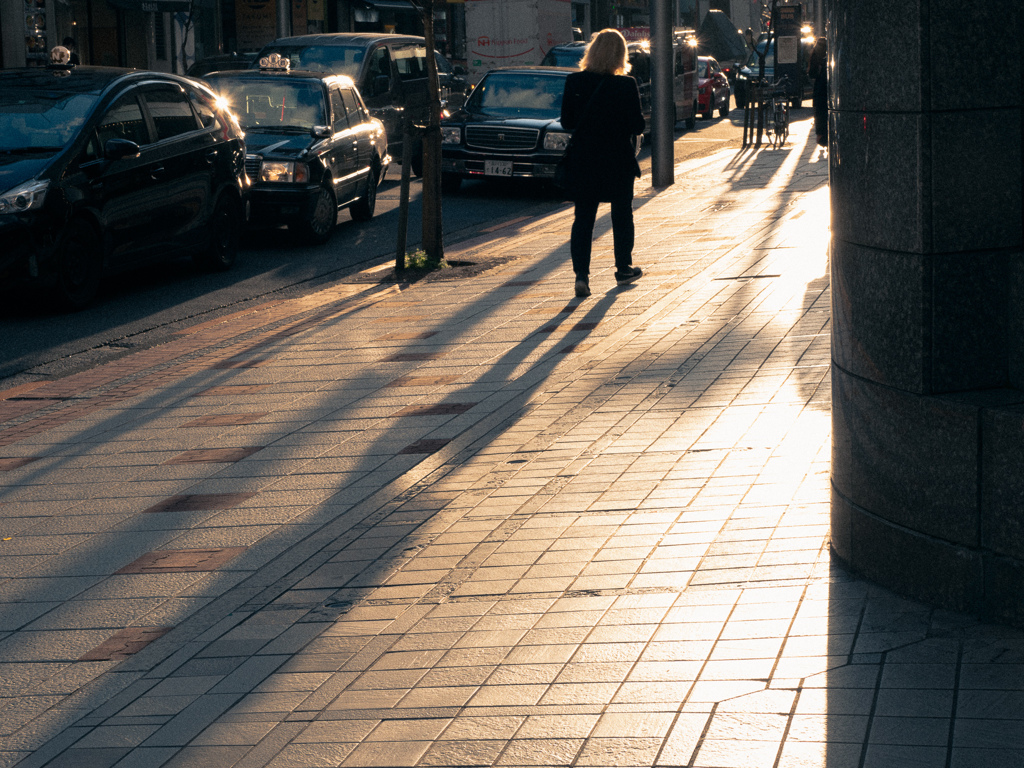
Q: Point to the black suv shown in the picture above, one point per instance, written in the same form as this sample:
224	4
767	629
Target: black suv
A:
311	146
571	54
103	169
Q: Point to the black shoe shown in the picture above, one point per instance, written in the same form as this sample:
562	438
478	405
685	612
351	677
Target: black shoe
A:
625	278
582	288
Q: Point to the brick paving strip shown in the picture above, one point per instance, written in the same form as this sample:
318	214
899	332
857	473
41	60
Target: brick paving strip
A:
610	557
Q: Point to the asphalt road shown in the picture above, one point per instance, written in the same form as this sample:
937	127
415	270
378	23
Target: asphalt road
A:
143	308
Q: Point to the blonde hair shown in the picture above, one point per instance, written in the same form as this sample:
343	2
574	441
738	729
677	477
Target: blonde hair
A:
606	53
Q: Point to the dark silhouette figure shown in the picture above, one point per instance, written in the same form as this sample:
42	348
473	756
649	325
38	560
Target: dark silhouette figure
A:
601	105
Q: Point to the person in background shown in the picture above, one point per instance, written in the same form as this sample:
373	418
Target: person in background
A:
69	43
601	105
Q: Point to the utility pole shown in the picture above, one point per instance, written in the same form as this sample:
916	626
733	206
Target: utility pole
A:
433	240
663	103
284	18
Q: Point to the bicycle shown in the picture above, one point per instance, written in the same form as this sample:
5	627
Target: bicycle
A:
776	111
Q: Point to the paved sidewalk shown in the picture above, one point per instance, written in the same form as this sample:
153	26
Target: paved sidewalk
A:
478	522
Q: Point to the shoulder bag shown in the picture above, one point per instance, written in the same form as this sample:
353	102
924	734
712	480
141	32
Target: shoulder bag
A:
567	172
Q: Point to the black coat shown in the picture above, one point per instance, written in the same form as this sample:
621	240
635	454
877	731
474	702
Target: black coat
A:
603	133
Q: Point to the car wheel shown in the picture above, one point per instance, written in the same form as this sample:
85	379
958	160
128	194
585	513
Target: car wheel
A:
79	265
723	111
225	231
796	103
362	209
706	115
450	183
691	121
323	215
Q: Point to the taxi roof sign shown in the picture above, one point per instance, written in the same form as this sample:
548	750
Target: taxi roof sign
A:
275	62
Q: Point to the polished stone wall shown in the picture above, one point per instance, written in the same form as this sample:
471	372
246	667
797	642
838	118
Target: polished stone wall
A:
928	299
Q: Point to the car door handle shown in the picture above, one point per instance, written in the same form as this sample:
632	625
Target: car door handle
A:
157	172
211	156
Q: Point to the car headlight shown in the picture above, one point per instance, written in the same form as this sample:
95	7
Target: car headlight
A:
284	172
556	140
451	134
24	197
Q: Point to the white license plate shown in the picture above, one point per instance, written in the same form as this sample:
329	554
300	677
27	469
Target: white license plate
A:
498	168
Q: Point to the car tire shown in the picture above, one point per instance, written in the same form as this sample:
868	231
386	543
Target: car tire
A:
363	208
225	231
723	111
691	121
706	115
78	265
450	183
796	103
323	215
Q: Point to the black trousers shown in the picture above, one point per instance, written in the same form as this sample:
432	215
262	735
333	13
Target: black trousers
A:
582	236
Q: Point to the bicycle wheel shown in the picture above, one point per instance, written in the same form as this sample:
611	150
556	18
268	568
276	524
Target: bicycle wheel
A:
770	122
779	123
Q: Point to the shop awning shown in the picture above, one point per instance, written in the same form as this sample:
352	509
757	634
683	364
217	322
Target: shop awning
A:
154	6
397	6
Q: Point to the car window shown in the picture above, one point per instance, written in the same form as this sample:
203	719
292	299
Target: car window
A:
170	110
379	66
340	112
123	120
502	94
411	62
640	66
337	59
564	57
444	67
205	110
39	120
274	104
354	107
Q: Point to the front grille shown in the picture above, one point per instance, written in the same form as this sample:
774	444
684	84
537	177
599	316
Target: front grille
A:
252	166
500	137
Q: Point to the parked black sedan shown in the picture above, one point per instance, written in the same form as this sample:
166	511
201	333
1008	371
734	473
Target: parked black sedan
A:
103	169
509	127
311	146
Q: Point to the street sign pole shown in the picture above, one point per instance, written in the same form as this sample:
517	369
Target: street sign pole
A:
662	102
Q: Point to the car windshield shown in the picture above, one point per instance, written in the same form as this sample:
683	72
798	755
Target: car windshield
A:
755	57
274	104
336	59
518	94
564	57
38	121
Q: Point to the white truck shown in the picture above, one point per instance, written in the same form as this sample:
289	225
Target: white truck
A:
513	33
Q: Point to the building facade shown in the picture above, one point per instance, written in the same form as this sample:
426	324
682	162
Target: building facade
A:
169	35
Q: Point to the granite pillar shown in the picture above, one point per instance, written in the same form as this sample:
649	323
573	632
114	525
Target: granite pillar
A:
928	299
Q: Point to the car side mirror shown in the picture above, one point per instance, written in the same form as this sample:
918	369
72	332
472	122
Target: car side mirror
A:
120	149
381	84
321	132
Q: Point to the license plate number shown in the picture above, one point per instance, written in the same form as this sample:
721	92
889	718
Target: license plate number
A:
497	167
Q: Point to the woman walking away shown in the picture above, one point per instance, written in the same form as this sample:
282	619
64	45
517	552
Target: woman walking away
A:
601	105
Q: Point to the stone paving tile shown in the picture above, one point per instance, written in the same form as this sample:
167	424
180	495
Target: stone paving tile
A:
626	565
